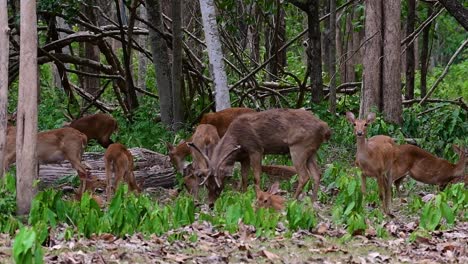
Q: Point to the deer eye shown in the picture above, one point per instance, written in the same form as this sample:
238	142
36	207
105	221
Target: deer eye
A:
265	201
365	124
354	124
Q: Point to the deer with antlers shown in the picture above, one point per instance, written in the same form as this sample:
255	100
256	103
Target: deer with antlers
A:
275	131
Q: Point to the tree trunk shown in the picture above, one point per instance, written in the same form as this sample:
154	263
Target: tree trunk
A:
391	84
457	10
425	56
26	159
160	60
91	51
350	61
177	74
371	97
314	52
4	47
332	58
142	60
215	54
410	63
325	37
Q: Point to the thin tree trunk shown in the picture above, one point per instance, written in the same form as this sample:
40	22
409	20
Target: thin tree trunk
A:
350	61
160	60
26	159
425	56
326	37
457	10
371	60
177	74
314	54
410	63
142	60
91	51
215	54
332	58
391	84
4	47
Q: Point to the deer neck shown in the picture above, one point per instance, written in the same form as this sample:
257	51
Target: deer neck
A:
362	152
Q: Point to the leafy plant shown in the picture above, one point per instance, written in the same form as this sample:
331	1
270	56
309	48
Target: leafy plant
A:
27	248
301	215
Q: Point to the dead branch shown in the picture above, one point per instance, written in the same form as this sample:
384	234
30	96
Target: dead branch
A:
459	101
441	77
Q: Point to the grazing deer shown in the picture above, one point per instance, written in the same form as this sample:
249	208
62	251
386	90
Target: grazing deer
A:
270	199
119	160
54	146
221	120
97	126
427	168
374	156
191	180
275	131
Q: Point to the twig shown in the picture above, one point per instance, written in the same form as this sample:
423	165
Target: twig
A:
441	77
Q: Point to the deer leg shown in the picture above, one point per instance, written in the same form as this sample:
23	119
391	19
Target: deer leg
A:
256	163
363	183
245	168
397	184
75	161
315	174
382	182
119	174
108	166
132	181
299	160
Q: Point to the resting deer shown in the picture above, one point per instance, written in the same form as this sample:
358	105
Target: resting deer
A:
221	120
119	160
270	199
54	146
427	168
275	131
374	156
97	126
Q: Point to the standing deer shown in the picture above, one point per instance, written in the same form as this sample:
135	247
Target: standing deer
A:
427	168
221	120
275	131
119	160
54	146
97	126
374	156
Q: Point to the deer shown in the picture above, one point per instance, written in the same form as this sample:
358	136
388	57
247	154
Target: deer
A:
98	126
54	146
270	198
221	120
427	168
119	161
274	131
374	156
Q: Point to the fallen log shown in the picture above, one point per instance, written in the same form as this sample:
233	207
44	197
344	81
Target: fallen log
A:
151	170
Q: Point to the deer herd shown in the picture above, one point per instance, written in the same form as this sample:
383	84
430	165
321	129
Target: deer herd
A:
245	136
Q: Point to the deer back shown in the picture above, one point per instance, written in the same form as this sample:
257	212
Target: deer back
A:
56	144
95	126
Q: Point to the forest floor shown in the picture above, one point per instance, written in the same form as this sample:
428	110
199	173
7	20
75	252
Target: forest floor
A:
200	242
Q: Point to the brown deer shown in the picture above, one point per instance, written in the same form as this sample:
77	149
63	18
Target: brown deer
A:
221	120
427	168
270	199
97	126
374	156
54	146
119	160
275	131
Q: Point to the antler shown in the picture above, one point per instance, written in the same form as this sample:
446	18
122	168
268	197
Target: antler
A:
191	144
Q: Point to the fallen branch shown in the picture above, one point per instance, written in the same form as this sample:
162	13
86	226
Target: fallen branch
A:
459	101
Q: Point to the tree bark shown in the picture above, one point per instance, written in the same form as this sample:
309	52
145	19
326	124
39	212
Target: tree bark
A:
371	97
4	47
142	60
160	60
26	159
215	54
425	56
332	58
391	84
314	51
457	10
410	61
91	51
177	74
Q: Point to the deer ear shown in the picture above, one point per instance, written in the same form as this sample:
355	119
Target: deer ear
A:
274	189
370	117
169	146
350	117
257	190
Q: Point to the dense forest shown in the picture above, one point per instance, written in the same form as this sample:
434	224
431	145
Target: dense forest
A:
242	131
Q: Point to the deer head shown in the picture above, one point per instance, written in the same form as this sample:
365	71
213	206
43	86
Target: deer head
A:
270	199
360	125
